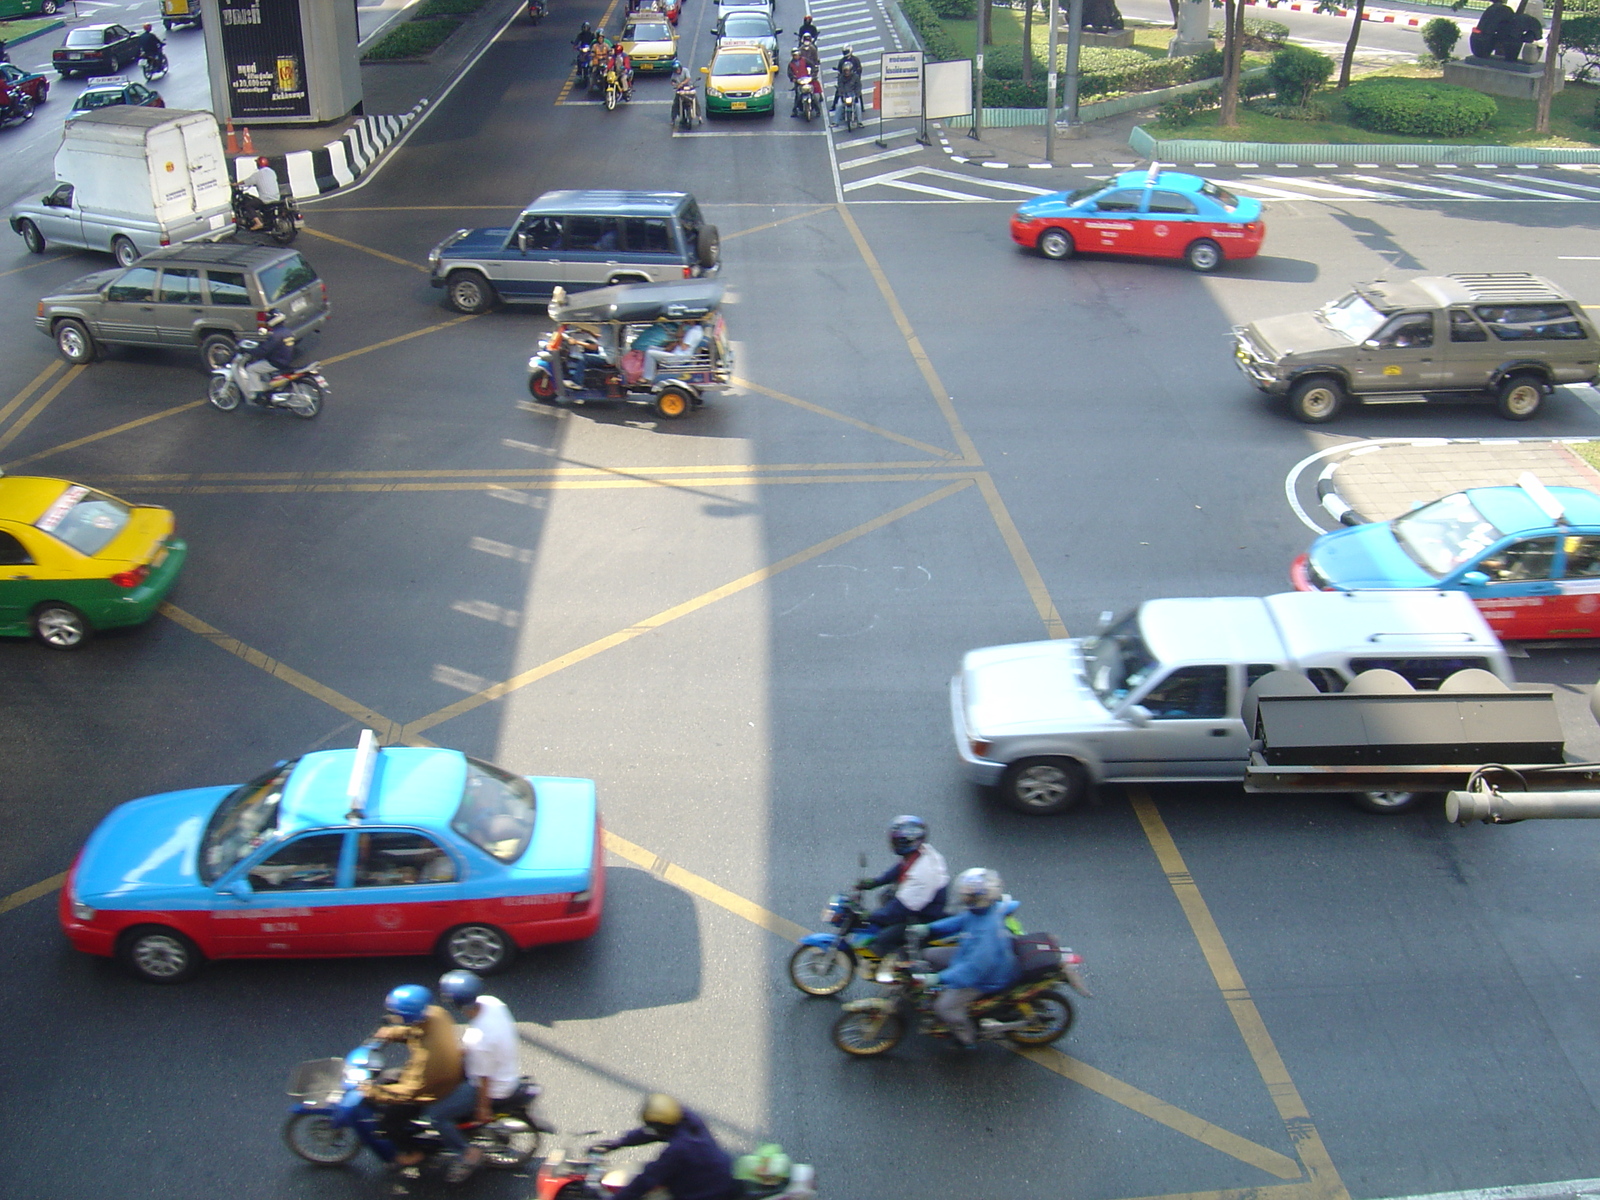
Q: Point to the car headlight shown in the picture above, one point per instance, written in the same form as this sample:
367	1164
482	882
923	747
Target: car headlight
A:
81	911
713	90
433	257
764	91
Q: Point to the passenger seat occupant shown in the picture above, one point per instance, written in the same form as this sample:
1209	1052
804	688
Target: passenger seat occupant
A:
675	354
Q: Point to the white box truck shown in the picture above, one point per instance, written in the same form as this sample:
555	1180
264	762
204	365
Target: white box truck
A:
130	180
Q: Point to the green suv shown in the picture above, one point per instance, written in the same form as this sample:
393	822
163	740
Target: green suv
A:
198	295
1510	338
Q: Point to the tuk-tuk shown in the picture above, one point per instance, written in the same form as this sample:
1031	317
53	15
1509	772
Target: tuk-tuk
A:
180	12
662	344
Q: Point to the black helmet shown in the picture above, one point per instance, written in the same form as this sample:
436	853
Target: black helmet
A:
906	834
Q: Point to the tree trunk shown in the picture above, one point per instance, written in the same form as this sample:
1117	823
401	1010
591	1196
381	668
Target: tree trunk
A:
1350	46
988	22
1229	116
1552	69
1173	5
1027	41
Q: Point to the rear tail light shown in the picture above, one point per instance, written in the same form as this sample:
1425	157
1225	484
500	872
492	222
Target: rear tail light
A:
688	272
133	578
324	288
578	901
981	748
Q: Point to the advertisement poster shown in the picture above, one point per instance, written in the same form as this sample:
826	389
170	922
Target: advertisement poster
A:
264	54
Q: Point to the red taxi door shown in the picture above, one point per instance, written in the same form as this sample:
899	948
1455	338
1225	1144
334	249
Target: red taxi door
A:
293	904
1171	223
407	892
1514	589
1574	611
1115	227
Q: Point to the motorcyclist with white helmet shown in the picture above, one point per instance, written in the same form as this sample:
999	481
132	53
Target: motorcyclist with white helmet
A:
920	880
982	962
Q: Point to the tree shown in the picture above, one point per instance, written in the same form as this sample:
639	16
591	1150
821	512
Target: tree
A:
1358	15
1232	57
1552	69
1027	41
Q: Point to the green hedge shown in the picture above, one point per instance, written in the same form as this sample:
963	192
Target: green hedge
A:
955	10
936	40
1297	71
1259	33
446	8
412	39
1418	107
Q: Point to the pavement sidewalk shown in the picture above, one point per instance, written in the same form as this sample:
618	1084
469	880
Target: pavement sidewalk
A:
1382	480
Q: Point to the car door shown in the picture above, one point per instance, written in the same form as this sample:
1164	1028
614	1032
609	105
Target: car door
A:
649	247
17	588
179	306
533	264
1398	358
1574	611
1470	356
407	892
592	249
1170	222
291	901
127	310
121	47
1112	226
58	217
1513	586
1183	725
43	569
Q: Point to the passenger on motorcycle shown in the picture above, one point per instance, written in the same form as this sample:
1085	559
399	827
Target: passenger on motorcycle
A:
799	69
692	1167
431	1075
259	190
920	880
984	961
849	82
489	1048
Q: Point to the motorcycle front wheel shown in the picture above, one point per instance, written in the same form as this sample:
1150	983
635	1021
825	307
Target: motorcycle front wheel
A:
305	399
611	98
315	1138
1051	1018
224	393
822	971
864	1034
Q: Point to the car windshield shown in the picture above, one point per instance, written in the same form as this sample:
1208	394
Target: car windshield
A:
1118	661
290	275
747	25
740	62
496	813
1353	316
80	38
1084	193
652	31
1220	194
99	99
84	519
1445	534
244	819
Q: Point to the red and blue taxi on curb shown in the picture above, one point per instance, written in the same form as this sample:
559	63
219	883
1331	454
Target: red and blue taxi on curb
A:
1148	214
342	852
1529	556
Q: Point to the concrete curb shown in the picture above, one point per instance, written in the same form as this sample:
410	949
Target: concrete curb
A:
335	164
1369	156
28	37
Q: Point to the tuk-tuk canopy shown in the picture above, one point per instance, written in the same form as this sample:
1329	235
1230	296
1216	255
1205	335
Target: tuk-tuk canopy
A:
639	302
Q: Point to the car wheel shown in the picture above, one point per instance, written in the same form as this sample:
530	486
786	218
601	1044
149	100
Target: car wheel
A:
31	237
1520	397
1042	787
480	948
48	8
315	1138
60	626
1388	804
74	341
157	954
1203	255
1317	399
673	402
1055	243
44	92
124	251
469	292
217	350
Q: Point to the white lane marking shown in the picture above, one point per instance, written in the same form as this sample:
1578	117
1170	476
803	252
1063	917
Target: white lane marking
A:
704	133
1511	187
1532	1191
1354	193
926	190
1418	187
1581	187
862	141
1244	185
879	157
1025	189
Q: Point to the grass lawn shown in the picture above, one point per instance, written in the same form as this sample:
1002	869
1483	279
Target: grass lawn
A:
1571	123
14	30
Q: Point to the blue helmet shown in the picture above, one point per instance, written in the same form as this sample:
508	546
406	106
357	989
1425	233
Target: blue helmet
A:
461	988
906	834
408	1002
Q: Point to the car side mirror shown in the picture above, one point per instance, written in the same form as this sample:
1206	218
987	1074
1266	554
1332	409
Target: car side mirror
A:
1474	579
777	31
239	889
705	70
522	242
1372	344
1137	714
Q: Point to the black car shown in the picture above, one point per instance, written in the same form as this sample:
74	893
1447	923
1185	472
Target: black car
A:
96	50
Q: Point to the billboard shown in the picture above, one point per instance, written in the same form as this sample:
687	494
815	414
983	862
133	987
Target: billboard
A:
901	93
263	51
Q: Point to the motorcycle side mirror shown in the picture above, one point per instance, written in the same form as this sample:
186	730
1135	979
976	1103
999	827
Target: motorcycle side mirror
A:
239	889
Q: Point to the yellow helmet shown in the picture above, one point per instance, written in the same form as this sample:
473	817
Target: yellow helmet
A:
661	1109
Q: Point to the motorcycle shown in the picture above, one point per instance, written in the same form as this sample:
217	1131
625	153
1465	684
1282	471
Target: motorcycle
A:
583	62
614	89
810	98
15	104
685	108
299	392
850	118
536	11
579	1173
154	65
1031	1012
330	1119
280	219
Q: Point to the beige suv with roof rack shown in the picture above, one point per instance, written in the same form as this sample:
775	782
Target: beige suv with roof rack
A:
1508	337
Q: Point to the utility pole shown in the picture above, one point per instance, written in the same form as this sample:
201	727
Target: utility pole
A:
1074	38
1050	83
977	91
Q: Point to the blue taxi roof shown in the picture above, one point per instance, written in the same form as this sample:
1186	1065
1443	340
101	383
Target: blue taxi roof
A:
410	786
1512	510
1172	181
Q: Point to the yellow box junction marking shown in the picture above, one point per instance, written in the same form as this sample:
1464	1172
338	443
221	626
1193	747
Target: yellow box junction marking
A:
39	405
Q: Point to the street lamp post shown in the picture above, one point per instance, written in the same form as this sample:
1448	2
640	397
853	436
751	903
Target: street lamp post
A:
977	91
1050	83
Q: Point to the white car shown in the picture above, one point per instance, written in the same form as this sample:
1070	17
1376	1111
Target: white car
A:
1157	696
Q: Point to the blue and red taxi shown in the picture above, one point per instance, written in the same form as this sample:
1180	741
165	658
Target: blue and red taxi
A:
1146	214
369	851
1528	555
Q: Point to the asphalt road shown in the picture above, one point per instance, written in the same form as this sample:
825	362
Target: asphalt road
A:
940	444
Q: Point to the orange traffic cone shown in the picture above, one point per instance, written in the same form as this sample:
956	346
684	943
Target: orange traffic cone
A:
247	146
233	141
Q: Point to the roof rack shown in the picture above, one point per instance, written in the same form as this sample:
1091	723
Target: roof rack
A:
360	785
1508	286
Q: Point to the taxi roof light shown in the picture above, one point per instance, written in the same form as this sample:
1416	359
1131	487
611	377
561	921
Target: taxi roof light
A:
360	784
1542	496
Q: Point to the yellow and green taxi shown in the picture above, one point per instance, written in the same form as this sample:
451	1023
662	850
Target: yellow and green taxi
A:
74	560
650	41
739	80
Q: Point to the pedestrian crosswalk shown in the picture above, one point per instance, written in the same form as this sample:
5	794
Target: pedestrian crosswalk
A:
1577	183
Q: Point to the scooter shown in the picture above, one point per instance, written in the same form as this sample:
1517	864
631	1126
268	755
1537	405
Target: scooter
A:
330	1119
15	104
579	1173
850	118
810	97
299	392
685	108
583	62
536	11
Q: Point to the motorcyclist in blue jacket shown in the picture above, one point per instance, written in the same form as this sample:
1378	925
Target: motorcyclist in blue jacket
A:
920	880
692	1167
273	355
984	960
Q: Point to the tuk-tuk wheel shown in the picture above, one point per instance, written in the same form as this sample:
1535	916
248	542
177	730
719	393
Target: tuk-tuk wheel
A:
674	402
541	386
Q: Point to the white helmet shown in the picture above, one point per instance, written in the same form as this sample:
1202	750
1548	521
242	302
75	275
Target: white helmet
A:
978	887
